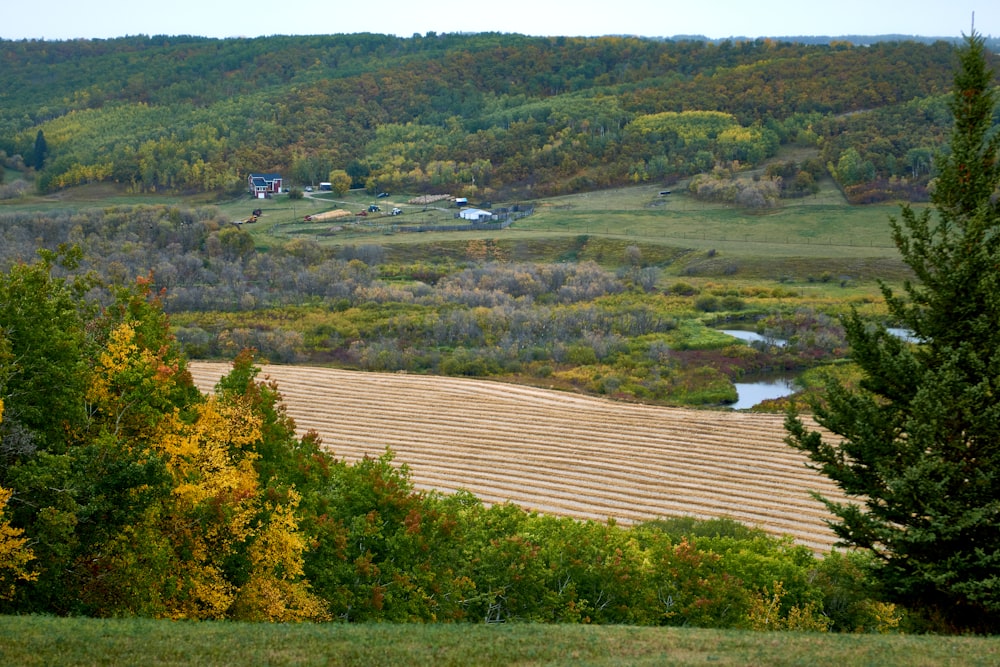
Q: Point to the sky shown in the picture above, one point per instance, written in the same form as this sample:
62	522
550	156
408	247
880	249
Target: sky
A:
71	19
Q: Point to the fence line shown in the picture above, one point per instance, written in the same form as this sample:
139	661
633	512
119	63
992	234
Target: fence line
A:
498	221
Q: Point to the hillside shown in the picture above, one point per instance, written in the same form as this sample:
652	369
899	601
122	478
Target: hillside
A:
487	116
560	453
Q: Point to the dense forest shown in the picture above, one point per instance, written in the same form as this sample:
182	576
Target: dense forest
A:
484	116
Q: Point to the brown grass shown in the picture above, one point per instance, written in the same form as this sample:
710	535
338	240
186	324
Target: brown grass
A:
561	453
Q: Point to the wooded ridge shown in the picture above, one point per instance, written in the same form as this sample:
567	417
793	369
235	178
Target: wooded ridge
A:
486	115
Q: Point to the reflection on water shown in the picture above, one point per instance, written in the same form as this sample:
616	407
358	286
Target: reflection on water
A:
753	337
752	393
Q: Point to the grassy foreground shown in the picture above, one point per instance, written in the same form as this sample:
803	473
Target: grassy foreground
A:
38	640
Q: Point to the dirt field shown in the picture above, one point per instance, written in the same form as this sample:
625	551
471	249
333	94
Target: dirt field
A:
560	453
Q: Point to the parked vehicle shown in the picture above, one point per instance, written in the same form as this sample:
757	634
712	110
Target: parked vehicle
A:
396	211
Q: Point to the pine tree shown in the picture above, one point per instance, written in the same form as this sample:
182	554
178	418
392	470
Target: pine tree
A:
918	452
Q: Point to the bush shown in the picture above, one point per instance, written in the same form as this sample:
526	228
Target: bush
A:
683	289
732	303
581	355
707	304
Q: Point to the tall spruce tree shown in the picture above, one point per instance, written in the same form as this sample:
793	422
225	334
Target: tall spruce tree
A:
918	452
41	151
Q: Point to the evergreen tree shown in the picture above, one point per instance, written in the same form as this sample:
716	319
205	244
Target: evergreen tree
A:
919	440
41	152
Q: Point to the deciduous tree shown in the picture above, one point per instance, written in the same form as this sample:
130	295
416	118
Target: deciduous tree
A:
15	554
340	181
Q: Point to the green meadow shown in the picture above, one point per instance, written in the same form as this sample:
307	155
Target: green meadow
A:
35	640
799	239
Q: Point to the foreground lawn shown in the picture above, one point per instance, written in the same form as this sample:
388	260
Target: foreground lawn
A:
35	640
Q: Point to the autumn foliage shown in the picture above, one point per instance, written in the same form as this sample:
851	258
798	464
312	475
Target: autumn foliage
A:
474	115
137	495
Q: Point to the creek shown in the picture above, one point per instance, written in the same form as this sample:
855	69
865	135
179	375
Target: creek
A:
754	389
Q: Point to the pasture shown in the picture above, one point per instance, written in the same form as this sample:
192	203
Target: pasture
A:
560	453
812	235
819	233
820	225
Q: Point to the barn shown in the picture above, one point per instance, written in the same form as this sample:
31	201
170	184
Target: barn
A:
475	214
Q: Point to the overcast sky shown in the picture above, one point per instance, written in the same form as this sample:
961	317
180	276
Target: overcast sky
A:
69	19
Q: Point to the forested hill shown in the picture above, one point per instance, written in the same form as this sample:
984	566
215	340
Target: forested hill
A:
483	115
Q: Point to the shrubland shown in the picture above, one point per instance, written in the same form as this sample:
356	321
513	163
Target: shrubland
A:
623	329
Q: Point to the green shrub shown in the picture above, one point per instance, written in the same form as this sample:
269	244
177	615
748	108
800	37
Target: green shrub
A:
707	304
683	289
581	355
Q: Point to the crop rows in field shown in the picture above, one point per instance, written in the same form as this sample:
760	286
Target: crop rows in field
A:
560	453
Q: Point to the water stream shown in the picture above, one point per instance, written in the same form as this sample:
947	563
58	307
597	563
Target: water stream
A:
753	391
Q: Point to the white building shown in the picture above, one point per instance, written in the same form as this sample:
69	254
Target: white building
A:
475	214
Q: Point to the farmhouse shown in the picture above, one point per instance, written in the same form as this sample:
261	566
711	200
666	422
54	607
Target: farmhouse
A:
262	185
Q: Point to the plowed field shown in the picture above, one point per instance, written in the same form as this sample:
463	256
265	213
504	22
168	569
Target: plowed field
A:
560	453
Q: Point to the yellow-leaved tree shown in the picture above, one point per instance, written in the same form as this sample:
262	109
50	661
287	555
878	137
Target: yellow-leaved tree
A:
212	547
239	556
15	555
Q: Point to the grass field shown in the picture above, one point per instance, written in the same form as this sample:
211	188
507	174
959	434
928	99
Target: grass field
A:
30	641
561	453
802	238
823	225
